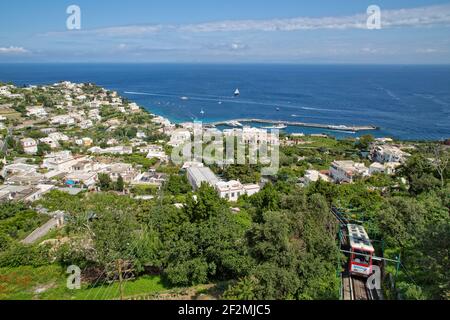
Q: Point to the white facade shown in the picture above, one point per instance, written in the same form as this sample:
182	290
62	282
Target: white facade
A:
232	190
52	143
346	171
190	164
314	176
134	107
121	150
57	136
388	153
179	137
29	146
386	168
141	135
62	120
18	168
36	111
60	161
196	176
86	124
88	179
125	170
161	155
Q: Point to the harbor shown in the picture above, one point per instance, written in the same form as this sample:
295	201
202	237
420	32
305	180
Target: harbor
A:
240	122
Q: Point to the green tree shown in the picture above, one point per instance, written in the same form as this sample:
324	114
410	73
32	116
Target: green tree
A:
177	185
205	204
120	184
104	181
364	142
43	149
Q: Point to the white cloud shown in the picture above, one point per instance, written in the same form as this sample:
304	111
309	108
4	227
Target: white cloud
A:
126	30
238	46
115	31
415	17
13	50
427	50
438	15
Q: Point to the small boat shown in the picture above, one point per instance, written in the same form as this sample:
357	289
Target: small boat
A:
202	112
184	98
237	93
278	109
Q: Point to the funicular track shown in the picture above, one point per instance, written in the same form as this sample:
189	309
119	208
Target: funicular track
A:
353	287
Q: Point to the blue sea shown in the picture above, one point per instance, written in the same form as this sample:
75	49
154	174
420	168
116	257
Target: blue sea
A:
405	102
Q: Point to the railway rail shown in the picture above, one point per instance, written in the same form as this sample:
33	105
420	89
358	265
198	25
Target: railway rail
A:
355	288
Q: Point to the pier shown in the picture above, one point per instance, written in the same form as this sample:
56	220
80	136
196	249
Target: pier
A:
232	123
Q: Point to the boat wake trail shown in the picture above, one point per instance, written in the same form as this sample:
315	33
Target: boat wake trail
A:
220	100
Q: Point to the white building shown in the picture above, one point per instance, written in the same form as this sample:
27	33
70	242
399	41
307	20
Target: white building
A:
89	179
60	161
83	165
120	150
86	142
347	171
62	120
4	91
29	146
192	164
141	135
134	107
388	168
388	153
112	142
160	155
94	104
58	136
198	175
125	170
18	168
94	114
23	193
86	124
36	111
314	176
52	143
253	136
151	178
179	137
232	190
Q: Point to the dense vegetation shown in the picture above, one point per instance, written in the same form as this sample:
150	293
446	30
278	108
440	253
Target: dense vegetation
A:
277	244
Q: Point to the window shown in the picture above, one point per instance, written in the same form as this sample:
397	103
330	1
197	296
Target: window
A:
232	195
361	257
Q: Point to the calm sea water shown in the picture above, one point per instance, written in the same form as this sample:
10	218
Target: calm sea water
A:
406	102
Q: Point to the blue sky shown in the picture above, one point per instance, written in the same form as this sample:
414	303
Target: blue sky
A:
292	31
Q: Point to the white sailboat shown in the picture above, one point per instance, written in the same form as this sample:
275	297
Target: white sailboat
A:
237	93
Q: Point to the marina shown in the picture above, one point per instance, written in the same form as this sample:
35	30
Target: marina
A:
280	123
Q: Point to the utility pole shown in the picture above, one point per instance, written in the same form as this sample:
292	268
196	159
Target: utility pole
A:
398	265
